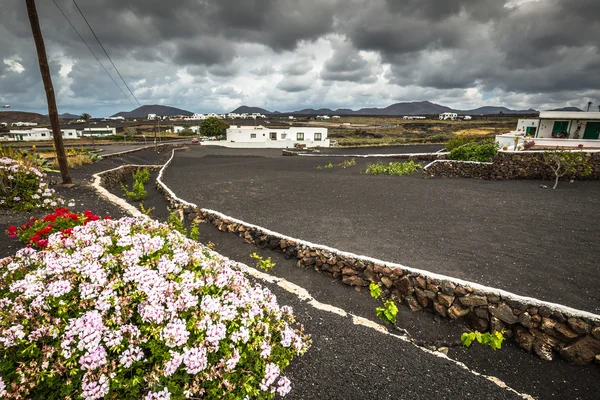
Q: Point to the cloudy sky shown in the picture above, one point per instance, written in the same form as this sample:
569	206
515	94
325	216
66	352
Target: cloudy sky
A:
215	55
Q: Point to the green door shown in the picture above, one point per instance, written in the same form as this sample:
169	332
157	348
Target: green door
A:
592	130
560	127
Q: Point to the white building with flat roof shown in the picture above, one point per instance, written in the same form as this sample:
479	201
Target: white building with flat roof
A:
35	134
106	131
277	138
178	128
563	129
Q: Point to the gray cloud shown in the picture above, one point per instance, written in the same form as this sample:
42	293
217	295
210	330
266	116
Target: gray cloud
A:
346	64
225	51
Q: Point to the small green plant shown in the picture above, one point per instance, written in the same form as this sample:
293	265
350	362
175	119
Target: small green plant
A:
195	232
563	162
146	211
492	339
393	168
319	167
481	152
176	223
328	166
138	191
375	290
347	163
261	263
142	175
388	312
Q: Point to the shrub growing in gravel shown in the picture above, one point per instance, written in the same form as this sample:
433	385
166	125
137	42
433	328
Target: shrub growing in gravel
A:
458	141
36	231
393	168
482	152
22	187
132	309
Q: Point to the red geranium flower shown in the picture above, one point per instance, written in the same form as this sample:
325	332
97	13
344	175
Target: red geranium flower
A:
12	231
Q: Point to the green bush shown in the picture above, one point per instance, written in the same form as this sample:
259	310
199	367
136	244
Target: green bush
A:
142	175
186	132
138	192
459	141
393	168
482	152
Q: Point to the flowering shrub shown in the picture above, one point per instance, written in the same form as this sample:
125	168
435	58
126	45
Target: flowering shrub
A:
132	309
22	187
37	230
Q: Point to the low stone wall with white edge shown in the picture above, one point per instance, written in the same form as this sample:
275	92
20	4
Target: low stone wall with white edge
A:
116	176
508	165
458	169
399	156
543	328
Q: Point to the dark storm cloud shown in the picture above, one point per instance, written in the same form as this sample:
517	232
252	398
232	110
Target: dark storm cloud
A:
346	64
204	52
293	84
548	47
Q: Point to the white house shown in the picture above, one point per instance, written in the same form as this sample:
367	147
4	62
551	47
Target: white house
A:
106	131
198	116
35	134
151	117
178	129
24	124
568	129
448	116
277	138
117	118
467	118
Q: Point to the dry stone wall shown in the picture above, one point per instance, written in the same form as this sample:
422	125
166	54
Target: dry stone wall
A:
507	165
537	327
405	156
118	175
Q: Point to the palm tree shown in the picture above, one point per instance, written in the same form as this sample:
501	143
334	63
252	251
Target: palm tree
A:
589	105
86	117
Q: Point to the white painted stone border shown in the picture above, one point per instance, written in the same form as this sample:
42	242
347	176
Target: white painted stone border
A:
402	155
457	162
572	312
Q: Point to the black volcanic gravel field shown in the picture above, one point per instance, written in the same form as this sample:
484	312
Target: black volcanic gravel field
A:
513	235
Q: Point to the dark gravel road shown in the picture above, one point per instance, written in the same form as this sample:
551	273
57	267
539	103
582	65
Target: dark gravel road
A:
512	234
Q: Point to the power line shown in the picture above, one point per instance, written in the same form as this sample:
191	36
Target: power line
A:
91	51
111	61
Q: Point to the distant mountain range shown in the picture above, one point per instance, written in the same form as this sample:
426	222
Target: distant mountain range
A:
409	108
143	111
567	109
68	116
251	110
22	116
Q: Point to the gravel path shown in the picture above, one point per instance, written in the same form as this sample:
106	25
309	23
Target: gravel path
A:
348	361
512	235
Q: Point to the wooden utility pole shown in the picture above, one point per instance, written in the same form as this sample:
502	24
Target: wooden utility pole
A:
52	111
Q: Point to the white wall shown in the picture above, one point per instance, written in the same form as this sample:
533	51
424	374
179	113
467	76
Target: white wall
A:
97	132
37	134
178	129
523	124
283	137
